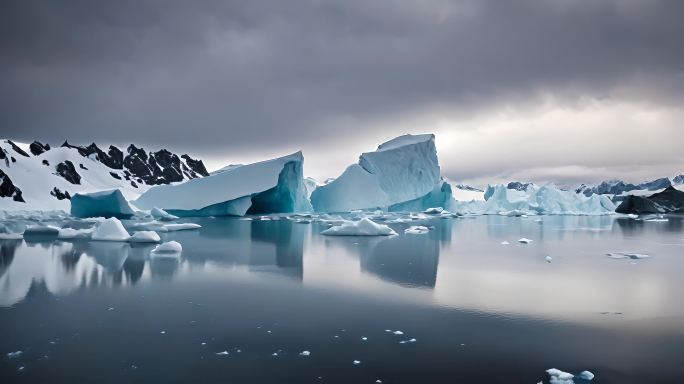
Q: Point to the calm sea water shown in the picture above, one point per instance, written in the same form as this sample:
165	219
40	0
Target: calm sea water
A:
246	298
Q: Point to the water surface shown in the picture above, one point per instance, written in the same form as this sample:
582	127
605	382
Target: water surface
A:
245	298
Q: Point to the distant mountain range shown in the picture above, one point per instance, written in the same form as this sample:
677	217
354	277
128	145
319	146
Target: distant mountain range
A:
38	176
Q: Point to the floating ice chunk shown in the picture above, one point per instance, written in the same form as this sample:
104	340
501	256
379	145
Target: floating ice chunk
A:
559	377
41	231
524	240
110	203
162	215
145	237
416	230
180	227
586	375
627	255
15	354
363	227
434	211
110	230
505	242
407	341
632	216
162	332
71	233
304	353
223	353
356	362
378	381
364	338
398	332
548	259
170	247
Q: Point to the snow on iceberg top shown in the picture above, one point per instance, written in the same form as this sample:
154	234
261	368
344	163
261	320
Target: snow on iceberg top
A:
219	187
404	140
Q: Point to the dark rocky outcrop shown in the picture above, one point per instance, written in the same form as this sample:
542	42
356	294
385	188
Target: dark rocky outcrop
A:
670	200
115	175
45	162
518	186
37	148
67	170
113	158
17	149
8	189
196	165
59	194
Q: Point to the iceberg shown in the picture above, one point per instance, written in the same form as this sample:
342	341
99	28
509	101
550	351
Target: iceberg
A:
170	247
400	170
110	203
41	231
545	200
363	227
145	237
271	186
110	230
74	234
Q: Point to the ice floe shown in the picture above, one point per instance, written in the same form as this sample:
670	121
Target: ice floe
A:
162	215
305	353
170	247
110	230
524	240
416	230
556	376
627	255
145	237
363	227
74	234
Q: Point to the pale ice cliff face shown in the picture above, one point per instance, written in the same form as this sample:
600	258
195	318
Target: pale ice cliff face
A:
400	170
271	186
440	196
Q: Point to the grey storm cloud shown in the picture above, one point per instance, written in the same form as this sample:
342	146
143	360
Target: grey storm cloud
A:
221	76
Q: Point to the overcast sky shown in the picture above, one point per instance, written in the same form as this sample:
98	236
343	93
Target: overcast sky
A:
563	90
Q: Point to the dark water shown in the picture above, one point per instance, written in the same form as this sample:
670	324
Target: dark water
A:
480	312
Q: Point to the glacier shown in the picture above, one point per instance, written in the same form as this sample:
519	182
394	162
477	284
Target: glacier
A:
271	186
101	204
544	200
400	170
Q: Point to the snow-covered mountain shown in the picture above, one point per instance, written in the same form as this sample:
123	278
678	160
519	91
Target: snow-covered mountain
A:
37	176
619	187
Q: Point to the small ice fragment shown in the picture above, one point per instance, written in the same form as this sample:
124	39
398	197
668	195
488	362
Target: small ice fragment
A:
15	354
203	343
170	247
560	377
412	341
505	242
239	351
222	353
110	308
416	230
524	240
21	368
586	375
398	332
162	332
304	353
274	354
269	332
364	338
627	255
388	330
356	362
336	336
548	259
378	381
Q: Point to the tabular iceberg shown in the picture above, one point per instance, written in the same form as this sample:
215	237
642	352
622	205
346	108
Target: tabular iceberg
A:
400	170
101	204
271	186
